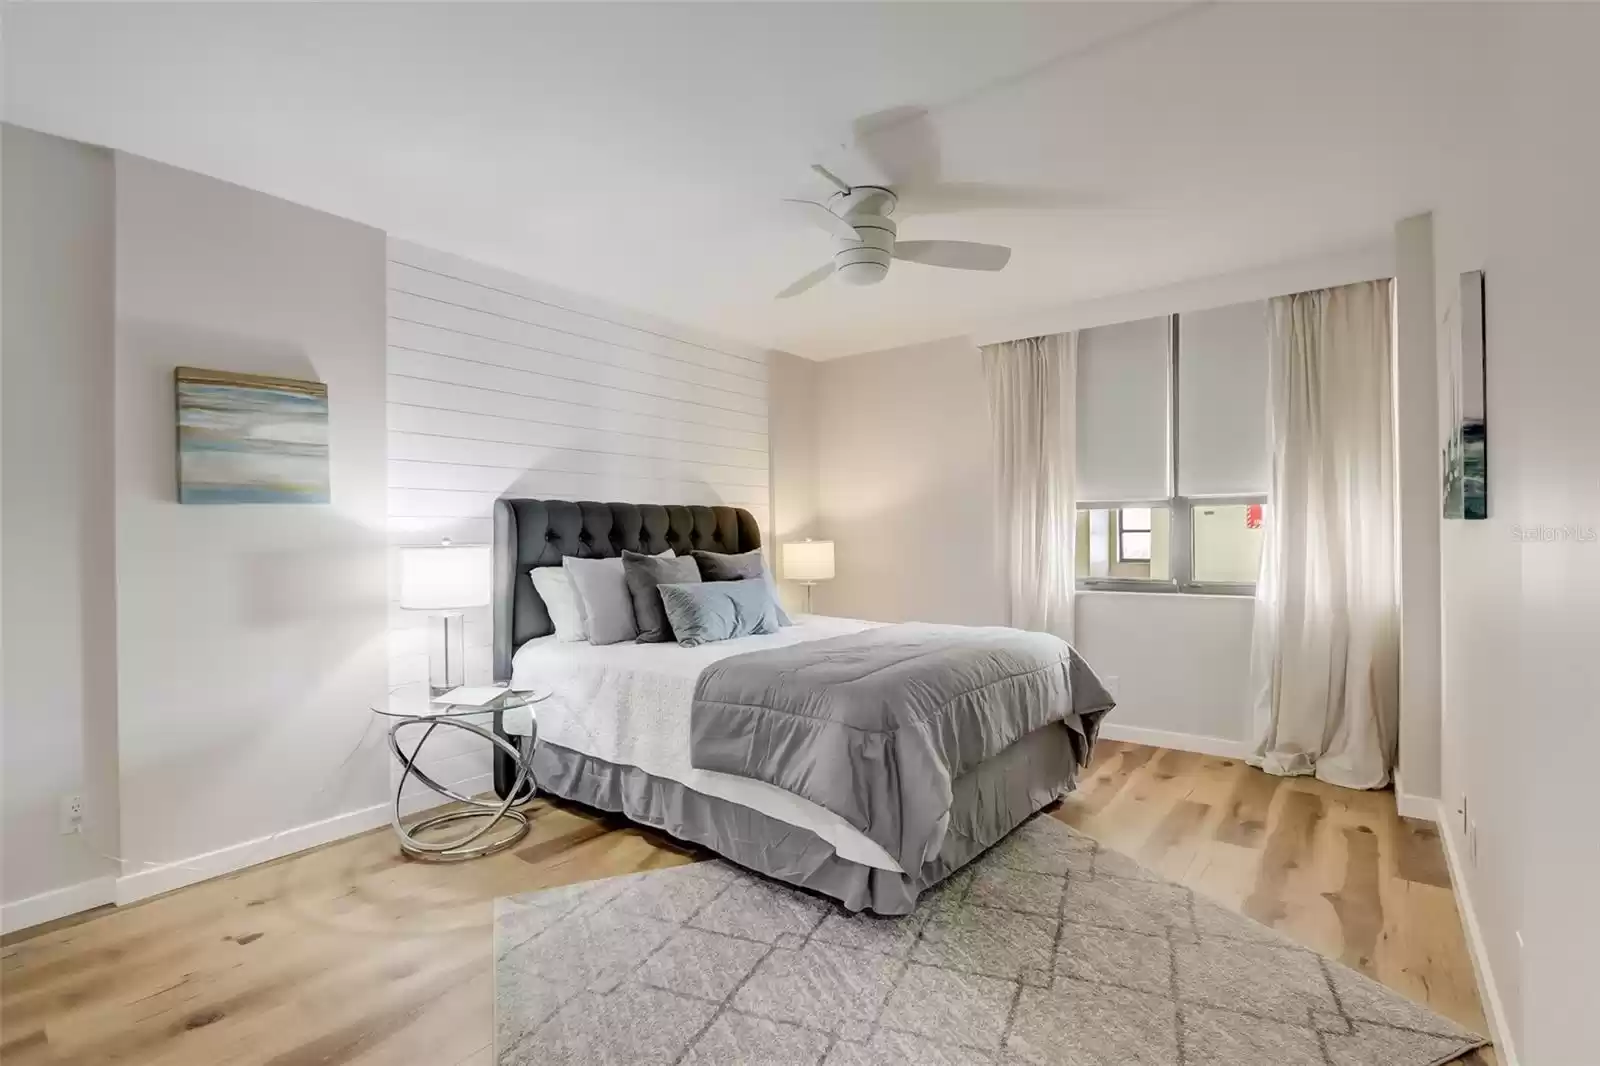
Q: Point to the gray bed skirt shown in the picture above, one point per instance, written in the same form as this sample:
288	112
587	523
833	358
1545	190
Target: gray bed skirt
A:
989	802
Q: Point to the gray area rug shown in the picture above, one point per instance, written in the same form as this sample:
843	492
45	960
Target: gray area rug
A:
1048	949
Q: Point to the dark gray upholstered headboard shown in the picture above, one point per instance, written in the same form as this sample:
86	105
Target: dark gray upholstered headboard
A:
531	533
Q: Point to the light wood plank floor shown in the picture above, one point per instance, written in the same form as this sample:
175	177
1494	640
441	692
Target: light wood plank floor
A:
351	954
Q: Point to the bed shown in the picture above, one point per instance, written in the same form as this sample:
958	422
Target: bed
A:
615	733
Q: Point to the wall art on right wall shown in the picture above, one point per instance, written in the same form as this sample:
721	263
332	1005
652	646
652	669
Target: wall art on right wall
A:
1466	446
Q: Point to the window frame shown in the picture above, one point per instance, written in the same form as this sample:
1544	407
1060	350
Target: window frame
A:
1148	530
1180	513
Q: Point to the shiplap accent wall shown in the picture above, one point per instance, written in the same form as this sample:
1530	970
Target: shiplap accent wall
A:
503	386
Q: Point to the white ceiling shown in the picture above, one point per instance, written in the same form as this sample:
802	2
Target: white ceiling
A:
637	152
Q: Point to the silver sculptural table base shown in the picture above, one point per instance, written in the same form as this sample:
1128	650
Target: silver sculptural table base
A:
483	839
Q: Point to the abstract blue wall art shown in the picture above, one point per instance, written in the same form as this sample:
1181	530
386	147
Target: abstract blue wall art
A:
248	438
1466	445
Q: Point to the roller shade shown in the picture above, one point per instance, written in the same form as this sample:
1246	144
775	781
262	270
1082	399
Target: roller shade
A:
1122	411
1222	401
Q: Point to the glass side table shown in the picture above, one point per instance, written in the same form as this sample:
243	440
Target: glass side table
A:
500	824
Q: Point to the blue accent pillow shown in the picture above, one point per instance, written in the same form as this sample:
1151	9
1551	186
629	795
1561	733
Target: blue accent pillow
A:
703	612
717	566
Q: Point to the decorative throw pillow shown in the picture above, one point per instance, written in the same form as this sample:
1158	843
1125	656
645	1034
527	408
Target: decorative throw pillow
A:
715	566
554	586
702	612
603	599
643	573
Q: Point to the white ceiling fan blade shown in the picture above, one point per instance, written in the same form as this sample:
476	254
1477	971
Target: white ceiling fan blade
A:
833	179
811	280
961	255
823	219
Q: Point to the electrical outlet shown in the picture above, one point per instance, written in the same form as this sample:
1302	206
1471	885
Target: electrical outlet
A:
1113	683
71	815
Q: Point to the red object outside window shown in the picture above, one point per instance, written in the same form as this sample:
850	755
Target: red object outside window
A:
1252	516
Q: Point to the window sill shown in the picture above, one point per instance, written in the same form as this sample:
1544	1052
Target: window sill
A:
1228	593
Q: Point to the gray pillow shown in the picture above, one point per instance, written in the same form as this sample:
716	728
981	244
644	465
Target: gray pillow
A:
715	566
602	594
643	573
702	612
603	600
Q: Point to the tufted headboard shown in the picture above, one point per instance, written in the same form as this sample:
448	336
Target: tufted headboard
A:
531	533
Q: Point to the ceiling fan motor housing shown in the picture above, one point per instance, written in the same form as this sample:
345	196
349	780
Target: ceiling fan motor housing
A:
865	261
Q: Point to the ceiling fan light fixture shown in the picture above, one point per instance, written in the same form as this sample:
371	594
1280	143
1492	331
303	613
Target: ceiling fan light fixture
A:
866	260
863	272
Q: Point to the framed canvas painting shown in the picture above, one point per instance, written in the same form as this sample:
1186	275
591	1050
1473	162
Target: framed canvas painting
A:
249	438
1466	445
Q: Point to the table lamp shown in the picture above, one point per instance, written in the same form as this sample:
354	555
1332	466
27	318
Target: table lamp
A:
808	561
445	580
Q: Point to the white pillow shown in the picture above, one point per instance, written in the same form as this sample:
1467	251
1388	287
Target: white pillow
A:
554	586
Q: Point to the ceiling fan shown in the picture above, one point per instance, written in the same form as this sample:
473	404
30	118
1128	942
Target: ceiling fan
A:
859	218
901	144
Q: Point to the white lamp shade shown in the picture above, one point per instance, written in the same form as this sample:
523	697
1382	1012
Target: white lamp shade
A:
447	578
808	560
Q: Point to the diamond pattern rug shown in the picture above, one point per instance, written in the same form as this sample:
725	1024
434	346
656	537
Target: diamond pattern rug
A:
1049	949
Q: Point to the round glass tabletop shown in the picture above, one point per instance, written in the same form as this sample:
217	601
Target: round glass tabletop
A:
509	700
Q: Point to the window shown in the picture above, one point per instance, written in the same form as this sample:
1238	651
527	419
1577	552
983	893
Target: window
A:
1227	542
1172	452
1133	534
1112	546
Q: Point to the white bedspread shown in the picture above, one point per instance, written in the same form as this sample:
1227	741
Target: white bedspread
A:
629	704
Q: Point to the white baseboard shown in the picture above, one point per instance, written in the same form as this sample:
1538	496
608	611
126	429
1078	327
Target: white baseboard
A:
57	903
1411	805
154	880
1160	738
1425	808
1488	991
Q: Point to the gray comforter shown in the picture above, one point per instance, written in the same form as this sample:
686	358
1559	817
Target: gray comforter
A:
875	726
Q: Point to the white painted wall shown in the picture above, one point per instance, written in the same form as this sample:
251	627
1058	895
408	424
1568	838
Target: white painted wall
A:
904	487
792	444
498	385
251	639
1521	613
1418	484
1549	276
1181	664
58	724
